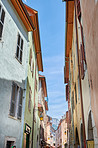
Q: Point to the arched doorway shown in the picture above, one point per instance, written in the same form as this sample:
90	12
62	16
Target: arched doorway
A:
90	128
82	138
77	144
90	141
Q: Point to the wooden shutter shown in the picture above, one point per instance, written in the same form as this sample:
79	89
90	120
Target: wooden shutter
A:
20	103
13	99
2	16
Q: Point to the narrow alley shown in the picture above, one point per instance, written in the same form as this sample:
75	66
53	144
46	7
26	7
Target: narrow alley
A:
48	73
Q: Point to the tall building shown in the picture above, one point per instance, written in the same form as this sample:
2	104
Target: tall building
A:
31	118
61	134
79	89
14	26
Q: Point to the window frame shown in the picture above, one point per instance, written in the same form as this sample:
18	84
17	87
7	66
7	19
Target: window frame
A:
17	98
19	49
2	21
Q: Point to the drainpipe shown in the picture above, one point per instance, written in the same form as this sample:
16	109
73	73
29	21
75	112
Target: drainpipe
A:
80	77
24	102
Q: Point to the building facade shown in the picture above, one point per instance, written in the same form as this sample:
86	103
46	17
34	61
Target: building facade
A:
77	76
13	64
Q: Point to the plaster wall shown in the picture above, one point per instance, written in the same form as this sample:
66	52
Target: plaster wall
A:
9	126
64	136
28	117
77	104
10	68
90	27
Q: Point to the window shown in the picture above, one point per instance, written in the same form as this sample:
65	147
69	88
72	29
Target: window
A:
2	16
29	103
31	62
16	101
9	142
75	93
78	10
19	50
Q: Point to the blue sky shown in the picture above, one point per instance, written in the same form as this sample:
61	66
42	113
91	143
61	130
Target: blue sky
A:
51	15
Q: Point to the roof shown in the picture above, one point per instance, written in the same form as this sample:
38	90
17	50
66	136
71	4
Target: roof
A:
33	14
23	14
69	33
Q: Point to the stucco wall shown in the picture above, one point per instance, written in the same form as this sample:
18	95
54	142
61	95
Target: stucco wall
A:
8	126
10	68
86	100
90	26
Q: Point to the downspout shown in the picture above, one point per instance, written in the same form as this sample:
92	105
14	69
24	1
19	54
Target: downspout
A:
24	102
80	77
32	145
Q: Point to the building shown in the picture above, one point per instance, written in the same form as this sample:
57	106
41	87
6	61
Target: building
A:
43	108
90	23
14	27
31	118
82	127
55	123
49	125
62	133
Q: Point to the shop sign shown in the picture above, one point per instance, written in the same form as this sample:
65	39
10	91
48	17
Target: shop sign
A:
27	128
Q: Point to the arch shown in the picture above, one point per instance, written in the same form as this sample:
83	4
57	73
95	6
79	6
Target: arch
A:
90	127
77	137
82	137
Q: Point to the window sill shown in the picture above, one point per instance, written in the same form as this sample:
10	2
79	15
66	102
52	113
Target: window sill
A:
14	118
18	60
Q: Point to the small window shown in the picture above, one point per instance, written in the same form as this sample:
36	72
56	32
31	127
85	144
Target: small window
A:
19	50
2	16
16	101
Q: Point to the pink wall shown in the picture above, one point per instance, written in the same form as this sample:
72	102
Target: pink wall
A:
90	28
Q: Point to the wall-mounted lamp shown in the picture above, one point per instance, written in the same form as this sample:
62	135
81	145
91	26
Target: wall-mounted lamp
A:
41	117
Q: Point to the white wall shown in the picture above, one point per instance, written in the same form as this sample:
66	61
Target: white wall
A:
10	68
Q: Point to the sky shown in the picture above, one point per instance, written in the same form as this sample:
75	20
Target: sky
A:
51	16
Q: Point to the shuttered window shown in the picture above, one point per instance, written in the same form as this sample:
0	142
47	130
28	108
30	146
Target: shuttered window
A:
20	103
13	99
19	50
16	101
2	16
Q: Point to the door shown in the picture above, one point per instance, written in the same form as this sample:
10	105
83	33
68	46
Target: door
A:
27	140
